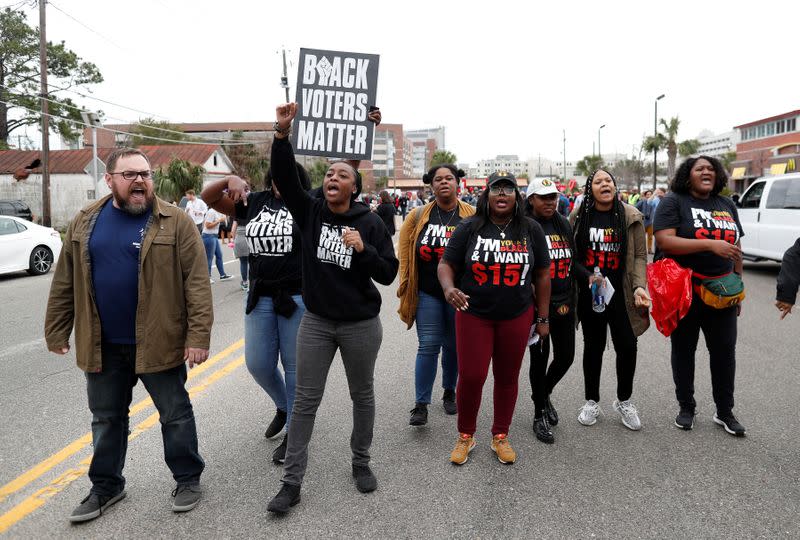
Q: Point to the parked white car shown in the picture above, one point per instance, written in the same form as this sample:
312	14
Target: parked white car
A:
770	214
27	246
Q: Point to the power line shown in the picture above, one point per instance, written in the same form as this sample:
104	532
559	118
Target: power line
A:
150	114
165	130
85	26
220	143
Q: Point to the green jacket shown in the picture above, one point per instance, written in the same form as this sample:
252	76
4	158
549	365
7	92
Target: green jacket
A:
175	308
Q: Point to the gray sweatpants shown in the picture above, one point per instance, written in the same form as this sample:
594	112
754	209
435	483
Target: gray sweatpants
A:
317	341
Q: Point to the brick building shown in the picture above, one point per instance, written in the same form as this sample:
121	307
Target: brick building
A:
766	147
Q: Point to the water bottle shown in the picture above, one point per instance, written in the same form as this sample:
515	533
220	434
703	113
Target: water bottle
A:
598	300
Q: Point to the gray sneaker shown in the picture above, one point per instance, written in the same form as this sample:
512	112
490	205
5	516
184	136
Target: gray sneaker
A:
628	414
589	413
186	497
93	506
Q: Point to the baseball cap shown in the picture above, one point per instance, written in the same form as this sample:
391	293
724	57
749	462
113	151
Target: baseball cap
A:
541	186
502	176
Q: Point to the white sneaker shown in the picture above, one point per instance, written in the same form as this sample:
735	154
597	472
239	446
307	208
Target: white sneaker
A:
628	414
211	280
589	413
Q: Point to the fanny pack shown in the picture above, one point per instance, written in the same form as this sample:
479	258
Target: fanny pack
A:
719	292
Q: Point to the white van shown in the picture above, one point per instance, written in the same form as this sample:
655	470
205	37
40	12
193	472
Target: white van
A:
770	214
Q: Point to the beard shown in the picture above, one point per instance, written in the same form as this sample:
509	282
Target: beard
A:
124	204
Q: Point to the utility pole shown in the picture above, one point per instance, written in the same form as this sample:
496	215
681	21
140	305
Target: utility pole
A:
655	141
46	221
285	78
564	133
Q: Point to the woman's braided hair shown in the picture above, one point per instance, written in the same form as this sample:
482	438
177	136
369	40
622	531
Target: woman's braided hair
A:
586	213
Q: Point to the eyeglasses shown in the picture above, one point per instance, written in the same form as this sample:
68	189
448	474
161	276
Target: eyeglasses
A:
505	190
132	175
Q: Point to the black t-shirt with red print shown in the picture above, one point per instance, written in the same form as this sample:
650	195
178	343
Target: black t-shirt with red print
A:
431	242
714	218
560	252
496	270
604	246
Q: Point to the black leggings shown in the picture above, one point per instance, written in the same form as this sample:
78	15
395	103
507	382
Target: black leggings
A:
594	327
719	330
544	378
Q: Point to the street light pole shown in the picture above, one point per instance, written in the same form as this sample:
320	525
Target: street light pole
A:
599	153
655	141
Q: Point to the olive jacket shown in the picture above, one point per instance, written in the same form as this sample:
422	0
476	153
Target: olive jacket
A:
408	290
635	267
175	308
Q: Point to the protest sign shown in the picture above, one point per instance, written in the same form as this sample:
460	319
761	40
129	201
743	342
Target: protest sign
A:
334	93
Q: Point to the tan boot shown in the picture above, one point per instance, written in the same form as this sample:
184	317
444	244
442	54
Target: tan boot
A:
503	449
464	446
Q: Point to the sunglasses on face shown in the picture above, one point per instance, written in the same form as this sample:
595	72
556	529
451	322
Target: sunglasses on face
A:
505	190
131	175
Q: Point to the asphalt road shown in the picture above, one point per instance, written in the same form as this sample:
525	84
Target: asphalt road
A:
602	481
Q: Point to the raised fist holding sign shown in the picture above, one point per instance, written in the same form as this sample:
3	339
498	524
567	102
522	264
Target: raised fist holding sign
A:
284	114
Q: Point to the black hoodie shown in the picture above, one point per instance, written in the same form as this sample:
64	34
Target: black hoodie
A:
337	281
789	277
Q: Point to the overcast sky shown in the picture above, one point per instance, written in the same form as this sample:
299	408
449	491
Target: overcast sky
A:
502	77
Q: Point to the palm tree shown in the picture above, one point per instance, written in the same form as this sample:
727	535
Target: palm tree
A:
176	178
441	157
588	165
670	136
651	145
688	147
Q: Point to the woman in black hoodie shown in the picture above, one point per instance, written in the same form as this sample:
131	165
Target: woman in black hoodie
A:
345	247
387	211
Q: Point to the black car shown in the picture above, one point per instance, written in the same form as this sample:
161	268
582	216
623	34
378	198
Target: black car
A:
16	208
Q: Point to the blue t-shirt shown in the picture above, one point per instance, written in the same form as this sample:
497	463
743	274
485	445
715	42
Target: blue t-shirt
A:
114	250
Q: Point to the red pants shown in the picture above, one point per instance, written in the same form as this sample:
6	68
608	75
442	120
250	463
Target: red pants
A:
479	341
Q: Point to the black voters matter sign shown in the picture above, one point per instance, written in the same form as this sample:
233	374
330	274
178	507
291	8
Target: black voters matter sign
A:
334	93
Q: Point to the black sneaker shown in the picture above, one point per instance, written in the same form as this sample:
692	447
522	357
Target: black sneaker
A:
542	430
449	402
550	412
279	454
730	423
287	497
365	480
226	277
186	497
419	415
93	506
275	427
685	419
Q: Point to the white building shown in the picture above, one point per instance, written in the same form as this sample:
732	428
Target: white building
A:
717	145
424	143
509	162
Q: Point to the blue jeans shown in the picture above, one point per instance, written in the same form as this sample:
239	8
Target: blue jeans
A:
213	249
244	265
436	331
110	392
265	335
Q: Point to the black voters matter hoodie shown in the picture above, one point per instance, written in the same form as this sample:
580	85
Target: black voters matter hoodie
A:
337	281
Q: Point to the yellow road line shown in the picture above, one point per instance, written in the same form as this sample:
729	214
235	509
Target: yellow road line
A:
40	497
79	444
